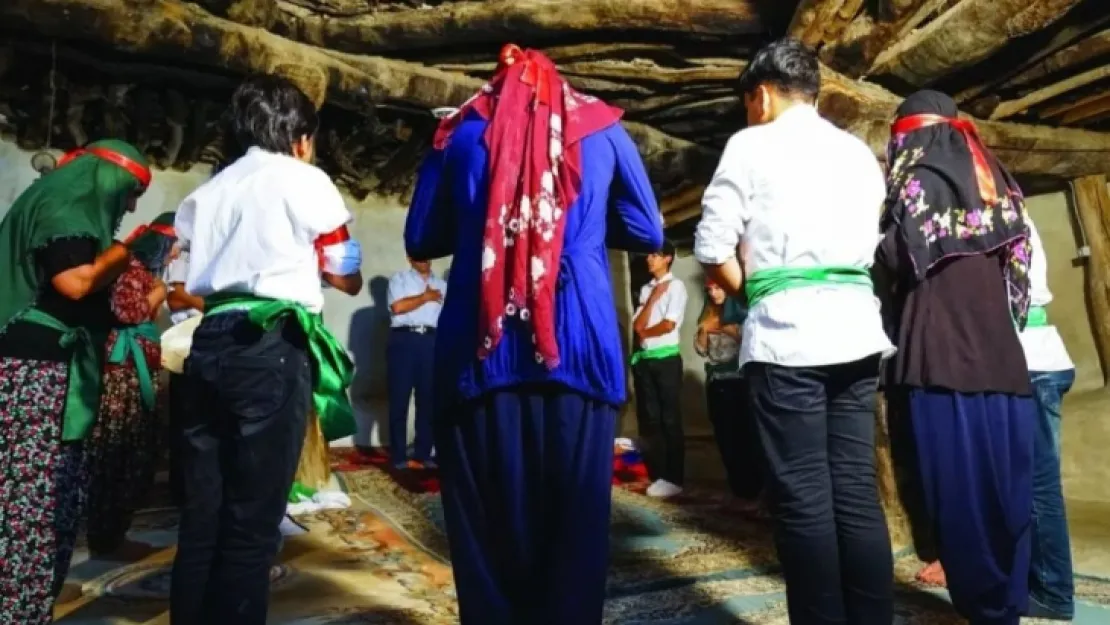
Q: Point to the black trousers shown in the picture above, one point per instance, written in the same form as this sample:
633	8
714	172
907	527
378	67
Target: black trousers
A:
658	387
817	425
175	436
247	396
734	428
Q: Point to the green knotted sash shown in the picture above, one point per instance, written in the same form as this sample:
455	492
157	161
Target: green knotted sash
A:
84	384
766	282
127	345
1038	317
332	369
655	353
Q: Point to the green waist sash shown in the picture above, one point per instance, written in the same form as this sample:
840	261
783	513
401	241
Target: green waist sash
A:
766	282
332	369
84	384
655	353
127	345
1038	317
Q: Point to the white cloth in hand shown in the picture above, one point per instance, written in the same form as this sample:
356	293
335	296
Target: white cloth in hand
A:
342	259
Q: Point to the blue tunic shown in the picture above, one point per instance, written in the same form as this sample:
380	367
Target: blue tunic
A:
615	208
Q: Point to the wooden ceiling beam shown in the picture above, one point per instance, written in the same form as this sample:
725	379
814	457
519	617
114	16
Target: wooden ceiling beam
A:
818	23
1086	50
1057	110
1093	109
868	35
966	34
1013	107
495	22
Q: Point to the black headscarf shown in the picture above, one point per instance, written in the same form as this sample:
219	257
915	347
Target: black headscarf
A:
943	206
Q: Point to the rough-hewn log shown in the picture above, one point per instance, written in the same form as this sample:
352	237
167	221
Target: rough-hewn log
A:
964	35
1091	48
1076	26
1069	113
1092	202
819	22
868	35
496	21
1024	103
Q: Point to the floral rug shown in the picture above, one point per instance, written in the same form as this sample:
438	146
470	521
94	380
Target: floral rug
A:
383	562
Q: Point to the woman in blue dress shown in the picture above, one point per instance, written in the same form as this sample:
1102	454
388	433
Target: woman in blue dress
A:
528	183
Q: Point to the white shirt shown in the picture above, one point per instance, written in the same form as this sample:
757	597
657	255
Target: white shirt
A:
799	192
178	271
252	228
670	306
408	283
1044	349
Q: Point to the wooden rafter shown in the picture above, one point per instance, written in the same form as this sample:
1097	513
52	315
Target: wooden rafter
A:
964	35
869	34
1091	109
1089	49
496	21
1024	103
820	22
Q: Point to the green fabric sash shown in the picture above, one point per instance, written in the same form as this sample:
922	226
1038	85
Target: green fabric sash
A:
655	353
1038	317
332	369
767	282
84	385
127	345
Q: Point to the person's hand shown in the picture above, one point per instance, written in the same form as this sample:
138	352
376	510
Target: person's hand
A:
432	294
710	325
660	289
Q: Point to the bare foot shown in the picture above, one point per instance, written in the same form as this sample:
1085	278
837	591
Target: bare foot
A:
932	574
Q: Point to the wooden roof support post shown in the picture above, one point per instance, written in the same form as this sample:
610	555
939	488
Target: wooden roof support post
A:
1092	203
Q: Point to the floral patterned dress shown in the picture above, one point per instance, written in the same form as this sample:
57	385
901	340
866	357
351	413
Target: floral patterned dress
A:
123	446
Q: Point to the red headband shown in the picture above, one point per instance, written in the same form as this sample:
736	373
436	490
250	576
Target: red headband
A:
140	172
162	229
983	174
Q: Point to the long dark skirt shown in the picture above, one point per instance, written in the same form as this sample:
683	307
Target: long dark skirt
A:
526	494
42	489
976	458
122	454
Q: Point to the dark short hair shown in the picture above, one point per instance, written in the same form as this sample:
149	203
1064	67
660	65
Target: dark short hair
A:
668	248
786	64
272	113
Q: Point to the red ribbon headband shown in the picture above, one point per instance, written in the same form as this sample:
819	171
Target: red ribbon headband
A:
983	174
162	229
140	172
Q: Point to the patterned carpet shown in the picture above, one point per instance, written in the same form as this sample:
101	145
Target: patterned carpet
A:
383	562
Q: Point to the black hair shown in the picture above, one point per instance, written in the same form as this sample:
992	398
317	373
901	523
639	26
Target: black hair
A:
668	250
786	64
272	113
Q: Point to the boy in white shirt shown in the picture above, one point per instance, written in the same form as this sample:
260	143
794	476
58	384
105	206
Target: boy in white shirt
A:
260	358
801	198
657	374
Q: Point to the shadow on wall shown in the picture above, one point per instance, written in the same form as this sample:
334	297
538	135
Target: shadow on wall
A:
368	337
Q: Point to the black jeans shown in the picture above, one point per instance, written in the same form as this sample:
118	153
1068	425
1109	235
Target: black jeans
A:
175	436
658	387
818	430
247	396
729	407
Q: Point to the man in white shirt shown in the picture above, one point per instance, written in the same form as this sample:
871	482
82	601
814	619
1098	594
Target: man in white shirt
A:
254	234
801	199
415	300
1051	585
657	374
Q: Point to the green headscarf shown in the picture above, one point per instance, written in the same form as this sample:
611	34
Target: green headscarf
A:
86	197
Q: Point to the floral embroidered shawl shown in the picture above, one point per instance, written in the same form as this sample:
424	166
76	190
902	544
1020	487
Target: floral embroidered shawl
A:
536	125
949	197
